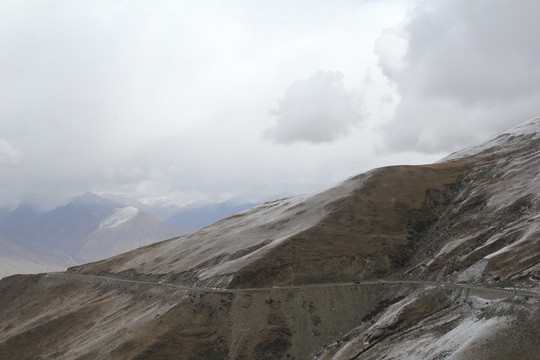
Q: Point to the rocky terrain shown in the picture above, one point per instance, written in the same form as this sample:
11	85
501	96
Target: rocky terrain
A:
405	262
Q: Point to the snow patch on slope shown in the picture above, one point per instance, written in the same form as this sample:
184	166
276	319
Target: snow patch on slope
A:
530	234
452	344
473	272
120	215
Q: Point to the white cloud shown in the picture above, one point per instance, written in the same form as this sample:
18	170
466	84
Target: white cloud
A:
317	110
168	99
9	156
467	70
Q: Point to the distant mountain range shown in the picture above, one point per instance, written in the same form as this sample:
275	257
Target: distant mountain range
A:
190	217
92	227
87	228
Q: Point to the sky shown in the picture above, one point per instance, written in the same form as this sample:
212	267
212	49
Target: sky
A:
187	102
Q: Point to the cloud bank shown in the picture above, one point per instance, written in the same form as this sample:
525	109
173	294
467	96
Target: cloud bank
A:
316	110
167	101
463	70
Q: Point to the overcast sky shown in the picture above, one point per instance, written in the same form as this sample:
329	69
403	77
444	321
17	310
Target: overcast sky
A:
195	101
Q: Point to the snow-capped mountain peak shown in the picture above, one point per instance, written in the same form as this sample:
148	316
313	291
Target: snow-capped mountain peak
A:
120	215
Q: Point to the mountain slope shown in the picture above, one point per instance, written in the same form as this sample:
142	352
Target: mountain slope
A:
11	221
125	230
65	228
494	223
407	262
302	239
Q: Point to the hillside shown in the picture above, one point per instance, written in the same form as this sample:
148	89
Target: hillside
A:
405	262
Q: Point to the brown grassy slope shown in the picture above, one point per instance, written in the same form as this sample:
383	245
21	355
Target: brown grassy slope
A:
490	231
64	319
368	234
61	319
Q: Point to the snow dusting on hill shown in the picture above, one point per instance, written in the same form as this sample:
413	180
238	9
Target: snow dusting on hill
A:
120	215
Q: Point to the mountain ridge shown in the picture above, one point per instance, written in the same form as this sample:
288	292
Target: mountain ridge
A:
400	262
420	182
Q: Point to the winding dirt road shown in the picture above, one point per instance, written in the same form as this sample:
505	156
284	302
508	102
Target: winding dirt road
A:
491	291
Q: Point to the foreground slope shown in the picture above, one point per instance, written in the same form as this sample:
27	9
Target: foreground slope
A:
456	243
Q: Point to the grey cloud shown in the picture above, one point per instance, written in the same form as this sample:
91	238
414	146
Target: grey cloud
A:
317	110
111	95
467	70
